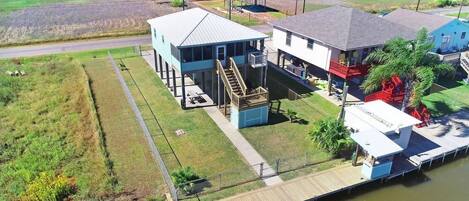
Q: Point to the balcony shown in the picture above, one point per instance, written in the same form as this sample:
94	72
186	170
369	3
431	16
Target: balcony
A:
257	59
348	71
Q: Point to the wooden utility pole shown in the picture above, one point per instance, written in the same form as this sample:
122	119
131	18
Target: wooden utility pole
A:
460	8
229	9
304	5
418	4
296	6
344	99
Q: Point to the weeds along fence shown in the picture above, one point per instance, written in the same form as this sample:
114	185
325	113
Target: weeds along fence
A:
102	139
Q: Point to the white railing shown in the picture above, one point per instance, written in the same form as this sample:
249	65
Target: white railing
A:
452	57
257	59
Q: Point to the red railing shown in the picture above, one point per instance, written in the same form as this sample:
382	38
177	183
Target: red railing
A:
348	72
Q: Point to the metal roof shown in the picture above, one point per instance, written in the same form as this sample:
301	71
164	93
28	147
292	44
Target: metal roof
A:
380	116
198	27
344	28
376	144
417	20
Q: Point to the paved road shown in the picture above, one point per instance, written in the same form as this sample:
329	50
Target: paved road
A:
84	45
73	46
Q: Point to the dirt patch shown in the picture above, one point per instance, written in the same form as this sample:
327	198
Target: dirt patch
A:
70	21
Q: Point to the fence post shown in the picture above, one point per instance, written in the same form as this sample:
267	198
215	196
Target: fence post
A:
261	169
277	166
219	182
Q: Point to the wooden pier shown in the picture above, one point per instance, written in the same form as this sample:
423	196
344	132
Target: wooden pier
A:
447	137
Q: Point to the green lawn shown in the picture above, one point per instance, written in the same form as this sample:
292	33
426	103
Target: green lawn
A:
13	5
136	169
280	139
47	125
312	7
448	101
464	15
378	5
204	146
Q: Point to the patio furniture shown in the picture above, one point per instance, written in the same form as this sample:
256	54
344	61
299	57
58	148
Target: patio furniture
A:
193	96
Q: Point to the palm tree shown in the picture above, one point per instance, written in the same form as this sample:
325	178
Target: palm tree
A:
411	61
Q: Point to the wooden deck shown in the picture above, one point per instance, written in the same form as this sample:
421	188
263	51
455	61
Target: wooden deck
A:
308	187
446	138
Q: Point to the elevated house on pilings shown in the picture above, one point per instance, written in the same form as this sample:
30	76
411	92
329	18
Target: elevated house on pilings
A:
332	42
224	59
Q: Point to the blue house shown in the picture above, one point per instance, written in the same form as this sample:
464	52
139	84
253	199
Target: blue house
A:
225	59
447	34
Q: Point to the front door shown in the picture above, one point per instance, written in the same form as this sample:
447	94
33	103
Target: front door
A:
221	54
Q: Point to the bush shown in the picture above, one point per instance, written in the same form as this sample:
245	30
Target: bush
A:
49	187
444	3
8	89
176	3
331	135
182	176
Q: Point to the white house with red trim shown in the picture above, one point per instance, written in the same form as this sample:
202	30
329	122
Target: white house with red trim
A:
335	39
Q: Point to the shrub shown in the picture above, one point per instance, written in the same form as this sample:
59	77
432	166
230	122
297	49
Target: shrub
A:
182	176
8	89
444	3
292	115
176	3
49	187
331	135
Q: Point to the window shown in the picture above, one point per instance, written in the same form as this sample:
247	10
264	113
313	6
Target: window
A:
207	52
230	49
187	55
239	49
463	35
197	51
162	38
310	43
175	52
154	33
288	41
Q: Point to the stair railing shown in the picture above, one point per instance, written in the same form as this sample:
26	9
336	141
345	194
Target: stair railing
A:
238	76
224	78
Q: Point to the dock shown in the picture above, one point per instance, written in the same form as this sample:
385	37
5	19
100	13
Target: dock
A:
447	138
307	187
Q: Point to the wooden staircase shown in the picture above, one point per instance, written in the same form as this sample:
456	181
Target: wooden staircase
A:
236	88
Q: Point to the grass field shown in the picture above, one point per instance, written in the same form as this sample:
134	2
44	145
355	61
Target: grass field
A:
379	5
464	15
448	101
85	20
136	169
13	5
47	125
281	139
204	147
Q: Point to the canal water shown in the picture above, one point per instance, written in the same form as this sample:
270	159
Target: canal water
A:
447	182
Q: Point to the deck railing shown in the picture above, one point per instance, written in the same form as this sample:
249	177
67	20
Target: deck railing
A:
348	71
257	59
256	97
